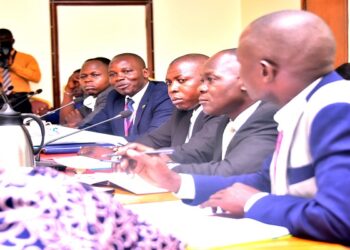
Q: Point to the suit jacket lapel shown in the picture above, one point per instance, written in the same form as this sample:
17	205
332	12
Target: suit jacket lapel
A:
181	130
220	131
141	108
117	107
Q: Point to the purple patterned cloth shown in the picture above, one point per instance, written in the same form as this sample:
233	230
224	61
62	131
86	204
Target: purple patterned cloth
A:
44	209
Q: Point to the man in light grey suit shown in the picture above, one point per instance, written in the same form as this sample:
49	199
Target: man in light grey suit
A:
253	129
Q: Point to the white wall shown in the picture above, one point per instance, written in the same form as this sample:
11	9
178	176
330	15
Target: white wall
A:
180	27
94	31
193	26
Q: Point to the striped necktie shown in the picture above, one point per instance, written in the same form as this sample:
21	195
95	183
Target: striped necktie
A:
6	78
128	121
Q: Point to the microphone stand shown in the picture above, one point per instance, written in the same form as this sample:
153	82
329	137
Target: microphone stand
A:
123	114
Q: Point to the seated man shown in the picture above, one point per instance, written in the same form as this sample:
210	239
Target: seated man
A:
183	80
221	151
93	80
68	215
305	184
148	100
225	151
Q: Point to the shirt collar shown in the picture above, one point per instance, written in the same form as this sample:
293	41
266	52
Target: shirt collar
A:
294	106
138	96
244	116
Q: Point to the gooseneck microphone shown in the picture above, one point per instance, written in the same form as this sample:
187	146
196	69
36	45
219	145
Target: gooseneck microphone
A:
3	93
52	163
76	100
28	96
123	114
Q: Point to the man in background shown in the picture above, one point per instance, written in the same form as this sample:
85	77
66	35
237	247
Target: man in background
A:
93	80
148	100
22	69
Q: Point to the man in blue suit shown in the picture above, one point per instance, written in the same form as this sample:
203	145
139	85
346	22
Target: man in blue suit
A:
286	57
148	100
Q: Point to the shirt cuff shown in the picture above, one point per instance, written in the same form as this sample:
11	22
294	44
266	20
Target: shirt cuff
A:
187	188
254	199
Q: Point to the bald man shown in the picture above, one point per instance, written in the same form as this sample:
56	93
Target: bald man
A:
286	57
183	79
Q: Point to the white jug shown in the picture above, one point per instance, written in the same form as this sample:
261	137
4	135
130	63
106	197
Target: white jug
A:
16	148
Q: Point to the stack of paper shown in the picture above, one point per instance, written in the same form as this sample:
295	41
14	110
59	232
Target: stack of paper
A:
56	131
200	229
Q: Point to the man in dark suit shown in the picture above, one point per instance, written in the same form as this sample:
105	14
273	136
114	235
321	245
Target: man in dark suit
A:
148	100
183	79
218	151
222	93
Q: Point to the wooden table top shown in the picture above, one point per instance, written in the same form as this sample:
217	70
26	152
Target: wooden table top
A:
284	243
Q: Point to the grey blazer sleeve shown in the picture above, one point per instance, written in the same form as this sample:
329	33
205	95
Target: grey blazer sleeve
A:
248	149
201	146
160	137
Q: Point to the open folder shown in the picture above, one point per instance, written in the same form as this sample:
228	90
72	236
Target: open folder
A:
130	182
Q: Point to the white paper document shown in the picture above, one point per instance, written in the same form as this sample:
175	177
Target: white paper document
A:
132	183
82	162
55	131
200	229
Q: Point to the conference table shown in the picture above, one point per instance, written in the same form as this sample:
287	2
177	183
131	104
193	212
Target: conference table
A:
285	243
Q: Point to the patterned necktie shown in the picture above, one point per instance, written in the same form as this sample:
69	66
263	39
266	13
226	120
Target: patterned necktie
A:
6	85
128	122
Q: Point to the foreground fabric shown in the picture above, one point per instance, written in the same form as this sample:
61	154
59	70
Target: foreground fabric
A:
43	209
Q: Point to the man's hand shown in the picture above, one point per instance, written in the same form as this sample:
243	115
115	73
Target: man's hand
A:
152	168
73	118
73	85
231	199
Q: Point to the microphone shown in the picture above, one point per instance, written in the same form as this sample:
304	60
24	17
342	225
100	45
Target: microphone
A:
29	95
123	114
76	100
3	93
52	163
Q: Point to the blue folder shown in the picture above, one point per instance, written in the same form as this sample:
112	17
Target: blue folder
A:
70	147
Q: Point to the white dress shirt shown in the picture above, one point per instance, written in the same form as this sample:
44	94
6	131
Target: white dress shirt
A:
187	188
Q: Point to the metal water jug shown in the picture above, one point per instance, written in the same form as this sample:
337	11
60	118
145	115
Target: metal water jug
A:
16	148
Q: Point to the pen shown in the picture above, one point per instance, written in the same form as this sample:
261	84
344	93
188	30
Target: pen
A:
167	151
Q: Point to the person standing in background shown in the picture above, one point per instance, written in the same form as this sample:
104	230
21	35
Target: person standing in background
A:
22	68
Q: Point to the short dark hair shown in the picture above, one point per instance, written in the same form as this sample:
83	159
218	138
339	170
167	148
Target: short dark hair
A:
6	32
344	70
103	60
135	56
